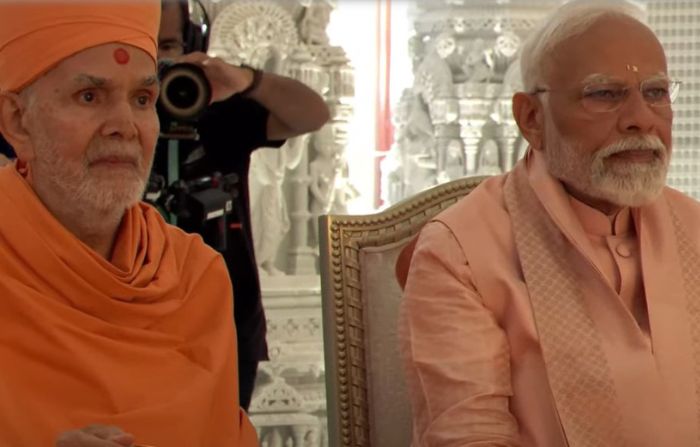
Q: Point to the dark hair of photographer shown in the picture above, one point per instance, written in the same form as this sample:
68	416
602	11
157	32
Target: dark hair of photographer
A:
172	40
248	110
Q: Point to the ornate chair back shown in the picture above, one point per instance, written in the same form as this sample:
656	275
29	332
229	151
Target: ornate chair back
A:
366	395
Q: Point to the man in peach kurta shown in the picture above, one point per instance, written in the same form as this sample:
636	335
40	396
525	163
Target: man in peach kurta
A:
559	304
117	328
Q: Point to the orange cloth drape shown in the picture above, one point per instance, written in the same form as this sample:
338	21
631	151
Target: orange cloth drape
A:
145	342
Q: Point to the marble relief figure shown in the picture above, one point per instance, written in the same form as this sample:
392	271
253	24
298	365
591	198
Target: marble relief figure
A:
270	216
324	169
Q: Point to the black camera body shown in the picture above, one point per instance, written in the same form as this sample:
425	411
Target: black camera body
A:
185	93
201	204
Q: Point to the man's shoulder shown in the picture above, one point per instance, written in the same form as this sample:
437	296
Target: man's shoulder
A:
674	194
186	245
483	203
193	241
198	263
685	206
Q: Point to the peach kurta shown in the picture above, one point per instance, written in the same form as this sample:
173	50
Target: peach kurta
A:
525	322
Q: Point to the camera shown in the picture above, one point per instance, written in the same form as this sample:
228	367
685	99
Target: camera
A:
200	204
185	93
203	205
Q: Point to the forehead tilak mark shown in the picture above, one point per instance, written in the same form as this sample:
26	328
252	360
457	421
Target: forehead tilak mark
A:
121	56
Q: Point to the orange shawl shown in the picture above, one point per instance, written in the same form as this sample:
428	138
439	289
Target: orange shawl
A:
146	342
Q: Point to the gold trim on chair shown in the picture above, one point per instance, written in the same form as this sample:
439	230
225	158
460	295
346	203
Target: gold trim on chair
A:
341	238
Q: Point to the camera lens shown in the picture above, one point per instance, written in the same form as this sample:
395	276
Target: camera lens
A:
185	91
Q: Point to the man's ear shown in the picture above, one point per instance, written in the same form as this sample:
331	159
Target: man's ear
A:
12	125
527	111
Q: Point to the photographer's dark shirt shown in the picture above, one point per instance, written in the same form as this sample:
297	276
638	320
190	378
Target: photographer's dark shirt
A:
230	131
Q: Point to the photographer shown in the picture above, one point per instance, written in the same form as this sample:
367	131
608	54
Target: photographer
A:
249	109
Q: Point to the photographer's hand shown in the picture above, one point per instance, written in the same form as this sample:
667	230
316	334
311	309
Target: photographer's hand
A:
225	79
294	108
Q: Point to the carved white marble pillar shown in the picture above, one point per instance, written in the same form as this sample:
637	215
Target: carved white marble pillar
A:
465	52
301	257
340	90
290	389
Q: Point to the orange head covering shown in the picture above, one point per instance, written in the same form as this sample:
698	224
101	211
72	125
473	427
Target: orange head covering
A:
35	35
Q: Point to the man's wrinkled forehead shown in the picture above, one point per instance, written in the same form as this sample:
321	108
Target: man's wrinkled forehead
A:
101	67
86	80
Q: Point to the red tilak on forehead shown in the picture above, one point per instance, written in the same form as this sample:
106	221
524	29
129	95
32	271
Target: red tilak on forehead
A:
121	56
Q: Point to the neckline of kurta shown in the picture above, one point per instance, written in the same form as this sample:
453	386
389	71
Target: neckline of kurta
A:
597	223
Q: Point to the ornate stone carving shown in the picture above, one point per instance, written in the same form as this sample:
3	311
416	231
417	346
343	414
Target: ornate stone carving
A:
324	170
278	397
465	58
289	403
259	33
321	182
287	190
289	328
312	26
269	214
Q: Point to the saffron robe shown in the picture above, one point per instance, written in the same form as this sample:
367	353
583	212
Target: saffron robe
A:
145	342
512	335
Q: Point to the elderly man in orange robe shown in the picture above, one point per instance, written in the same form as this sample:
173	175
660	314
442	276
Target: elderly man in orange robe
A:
559	304
117	328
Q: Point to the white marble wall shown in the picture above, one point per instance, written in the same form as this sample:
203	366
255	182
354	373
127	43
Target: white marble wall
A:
675	22
289	403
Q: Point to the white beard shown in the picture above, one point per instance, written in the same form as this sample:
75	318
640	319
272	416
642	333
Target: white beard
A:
623	184
92	190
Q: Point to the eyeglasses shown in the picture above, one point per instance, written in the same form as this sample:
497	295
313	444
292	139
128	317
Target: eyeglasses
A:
609	95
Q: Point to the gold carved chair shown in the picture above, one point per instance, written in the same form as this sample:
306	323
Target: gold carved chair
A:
367	402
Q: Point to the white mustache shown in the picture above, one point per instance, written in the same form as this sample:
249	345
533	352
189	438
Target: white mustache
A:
101	151
636	143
